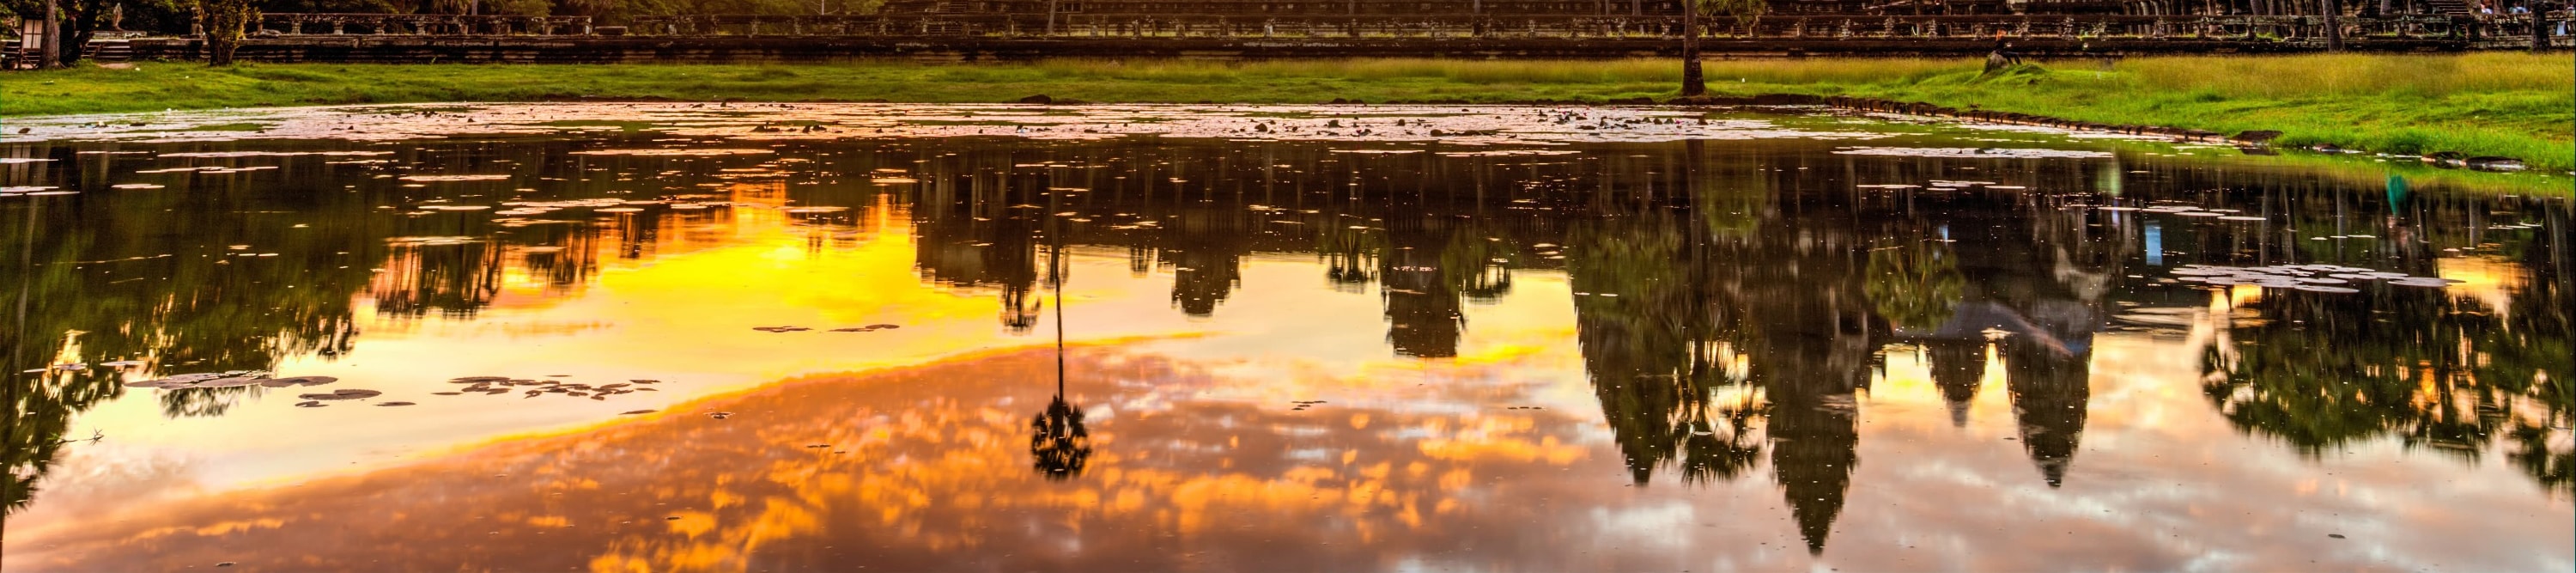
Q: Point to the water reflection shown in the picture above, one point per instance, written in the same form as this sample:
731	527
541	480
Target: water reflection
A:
1733	305
1058	441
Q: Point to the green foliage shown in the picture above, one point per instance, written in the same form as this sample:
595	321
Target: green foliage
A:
1744	11
226	20
1914	283
2435	372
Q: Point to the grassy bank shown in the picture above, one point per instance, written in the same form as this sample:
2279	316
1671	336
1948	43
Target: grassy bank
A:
2508	104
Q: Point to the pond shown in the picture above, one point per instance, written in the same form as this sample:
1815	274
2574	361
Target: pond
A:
744	337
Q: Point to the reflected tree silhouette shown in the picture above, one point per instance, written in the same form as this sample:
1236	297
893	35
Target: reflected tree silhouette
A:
2437	373
1059	445
1914	283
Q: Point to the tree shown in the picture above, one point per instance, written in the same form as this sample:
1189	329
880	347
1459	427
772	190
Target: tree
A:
82	20
1745	12
225	21
1694	82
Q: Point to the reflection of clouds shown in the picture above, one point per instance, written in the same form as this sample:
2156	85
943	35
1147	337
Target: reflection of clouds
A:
927	469
92	478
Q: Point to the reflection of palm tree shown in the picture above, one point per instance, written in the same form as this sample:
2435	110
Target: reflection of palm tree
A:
1719	450
1058	444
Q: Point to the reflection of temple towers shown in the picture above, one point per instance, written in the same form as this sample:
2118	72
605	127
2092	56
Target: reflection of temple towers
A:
981	230
2049	396
1958	368
1812	380
1421	308
1635	351
1202	276
1812	458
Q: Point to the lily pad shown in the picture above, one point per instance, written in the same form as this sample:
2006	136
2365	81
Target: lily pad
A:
342	394
297	381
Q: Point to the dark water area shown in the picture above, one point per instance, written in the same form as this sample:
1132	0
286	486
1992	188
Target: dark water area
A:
648	350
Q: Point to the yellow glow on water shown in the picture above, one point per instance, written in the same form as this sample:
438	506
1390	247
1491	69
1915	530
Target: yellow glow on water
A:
2488	281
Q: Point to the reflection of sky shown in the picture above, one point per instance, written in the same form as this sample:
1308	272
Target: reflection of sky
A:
1200	465
926	468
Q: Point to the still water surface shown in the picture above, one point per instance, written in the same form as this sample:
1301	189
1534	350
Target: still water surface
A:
923	338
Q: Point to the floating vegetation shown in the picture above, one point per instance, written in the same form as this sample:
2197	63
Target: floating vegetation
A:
297	381
693	127
341	394
675	152
497	385
1974	152
2311	278
229	379
431	241
432	178
274	153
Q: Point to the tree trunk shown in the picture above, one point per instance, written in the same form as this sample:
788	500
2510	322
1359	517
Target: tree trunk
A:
77	27
2334	26
1694	83
2539	27
51	51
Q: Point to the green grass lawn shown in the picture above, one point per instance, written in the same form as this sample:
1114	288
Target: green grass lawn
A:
2508	104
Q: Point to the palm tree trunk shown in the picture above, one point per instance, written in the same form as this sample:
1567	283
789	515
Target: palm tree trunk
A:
1693	82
